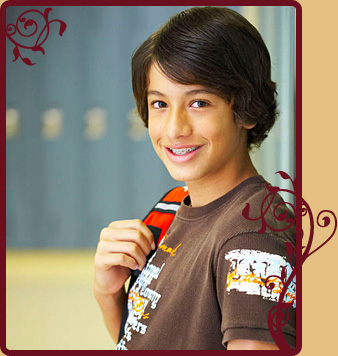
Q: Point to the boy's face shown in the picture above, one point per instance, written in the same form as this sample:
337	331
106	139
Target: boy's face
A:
193	131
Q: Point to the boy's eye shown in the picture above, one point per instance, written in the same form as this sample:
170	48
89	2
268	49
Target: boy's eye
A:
199	104
158	104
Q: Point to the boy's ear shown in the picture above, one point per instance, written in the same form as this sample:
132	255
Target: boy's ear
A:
248	126
241	124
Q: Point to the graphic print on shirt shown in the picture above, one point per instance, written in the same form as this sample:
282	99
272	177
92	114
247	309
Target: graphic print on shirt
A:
141	296
249	269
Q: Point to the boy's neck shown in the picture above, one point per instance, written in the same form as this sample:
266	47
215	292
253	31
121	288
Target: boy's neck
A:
202	194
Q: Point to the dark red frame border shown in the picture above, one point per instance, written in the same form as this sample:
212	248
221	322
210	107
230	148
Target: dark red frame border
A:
52	3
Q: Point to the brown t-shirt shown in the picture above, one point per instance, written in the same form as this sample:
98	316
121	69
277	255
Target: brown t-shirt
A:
205	284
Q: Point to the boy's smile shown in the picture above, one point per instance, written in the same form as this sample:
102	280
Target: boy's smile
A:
193	131
182	153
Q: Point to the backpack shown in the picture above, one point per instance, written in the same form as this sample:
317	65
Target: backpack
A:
158	221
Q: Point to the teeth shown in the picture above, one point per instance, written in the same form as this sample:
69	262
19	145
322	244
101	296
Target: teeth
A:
183	151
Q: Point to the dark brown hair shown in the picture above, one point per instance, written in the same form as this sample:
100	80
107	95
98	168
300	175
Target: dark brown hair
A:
218	48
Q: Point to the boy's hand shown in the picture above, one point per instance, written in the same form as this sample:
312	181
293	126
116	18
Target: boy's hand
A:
123	246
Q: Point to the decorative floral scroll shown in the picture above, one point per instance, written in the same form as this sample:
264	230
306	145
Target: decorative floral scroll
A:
278	316
30	28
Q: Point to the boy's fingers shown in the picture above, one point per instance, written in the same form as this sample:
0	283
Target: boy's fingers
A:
130	249
134	224
129	235
108	260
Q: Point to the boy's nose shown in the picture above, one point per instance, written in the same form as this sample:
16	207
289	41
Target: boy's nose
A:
178	124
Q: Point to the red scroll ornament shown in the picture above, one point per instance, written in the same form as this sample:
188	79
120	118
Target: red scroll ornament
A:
22	20
278	316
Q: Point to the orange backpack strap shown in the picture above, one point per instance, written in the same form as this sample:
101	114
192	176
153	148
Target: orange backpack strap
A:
163	213
158	221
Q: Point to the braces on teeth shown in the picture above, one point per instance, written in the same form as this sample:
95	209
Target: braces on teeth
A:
183	151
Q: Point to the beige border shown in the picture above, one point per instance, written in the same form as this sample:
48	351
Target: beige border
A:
320	125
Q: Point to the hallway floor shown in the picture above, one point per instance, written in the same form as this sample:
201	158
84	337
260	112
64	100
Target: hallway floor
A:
50	305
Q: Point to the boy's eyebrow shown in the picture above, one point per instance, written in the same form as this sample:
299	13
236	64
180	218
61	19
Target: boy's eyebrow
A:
190	92
154	92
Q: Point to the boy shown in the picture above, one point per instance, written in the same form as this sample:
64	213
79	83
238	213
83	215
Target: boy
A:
202	86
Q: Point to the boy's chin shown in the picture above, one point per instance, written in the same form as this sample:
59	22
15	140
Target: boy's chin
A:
177	176
180	177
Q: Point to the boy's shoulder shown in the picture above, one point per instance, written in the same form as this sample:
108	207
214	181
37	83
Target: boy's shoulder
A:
256	209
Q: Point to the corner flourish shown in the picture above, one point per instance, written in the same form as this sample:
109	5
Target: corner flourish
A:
22	20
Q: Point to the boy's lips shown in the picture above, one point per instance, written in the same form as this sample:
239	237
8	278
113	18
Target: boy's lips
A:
182	153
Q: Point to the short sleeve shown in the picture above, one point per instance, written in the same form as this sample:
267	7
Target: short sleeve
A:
245	266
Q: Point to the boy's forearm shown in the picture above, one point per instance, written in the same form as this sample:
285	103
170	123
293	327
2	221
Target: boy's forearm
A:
112	307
